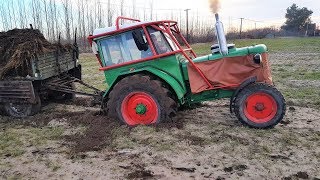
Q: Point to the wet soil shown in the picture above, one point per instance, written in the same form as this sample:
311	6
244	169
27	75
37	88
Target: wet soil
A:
202	142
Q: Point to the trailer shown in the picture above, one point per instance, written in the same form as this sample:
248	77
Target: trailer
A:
51	76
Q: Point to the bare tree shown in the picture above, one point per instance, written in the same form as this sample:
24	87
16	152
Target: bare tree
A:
109	14
134	8
121	7
46	16
65	4
4	17
151	9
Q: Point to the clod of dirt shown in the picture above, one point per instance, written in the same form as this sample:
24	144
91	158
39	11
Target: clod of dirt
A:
277	156
240	167
299	175
285	122
292	109
19	46
138	174
185	169
220	178
302	175
228	169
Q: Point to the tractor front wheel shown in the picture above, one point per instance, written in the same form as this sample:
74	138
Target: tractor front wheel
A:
140	99
260	106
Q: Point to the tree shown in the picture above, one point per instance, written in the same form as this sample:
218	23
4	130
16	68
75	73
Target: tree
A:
297	18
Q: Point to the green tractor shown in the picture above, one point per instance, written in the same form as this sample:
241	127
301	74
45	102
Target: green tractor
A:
151	70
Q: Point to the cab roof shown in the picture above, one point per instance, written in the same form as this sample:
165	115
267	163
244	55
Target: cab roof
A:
100	32
114	28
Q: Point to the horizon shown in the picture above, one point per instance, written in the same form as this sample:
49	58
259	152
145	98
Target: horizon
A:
256	15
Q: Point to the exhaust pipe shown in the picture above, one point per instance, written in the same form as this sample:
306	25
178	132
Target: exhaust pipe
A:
221	37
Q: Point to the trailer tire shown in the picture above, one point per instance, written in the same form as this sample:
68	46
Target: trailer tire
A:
22	110
260	106
140	99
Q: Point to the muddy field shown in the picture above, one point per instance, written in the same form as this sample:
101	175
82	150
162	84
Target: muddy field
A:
73	140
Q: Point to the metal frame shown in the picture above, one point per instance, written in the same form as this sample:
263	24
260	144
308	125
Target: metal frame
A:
166	26
61	84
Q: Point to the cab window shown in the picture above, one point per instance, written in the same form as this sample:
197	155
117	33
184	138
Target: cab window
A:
121	48
162	42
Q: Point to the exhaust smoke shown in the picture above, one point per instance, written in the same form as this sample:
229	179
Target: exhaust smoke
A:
214	6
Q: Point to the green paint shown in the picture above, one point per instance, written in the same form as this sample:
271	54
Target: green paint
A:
168	69
141	109
173	70
208	96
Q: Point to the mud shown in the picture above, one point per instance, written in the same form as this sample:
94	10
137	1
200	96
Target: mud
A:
203	142
98	134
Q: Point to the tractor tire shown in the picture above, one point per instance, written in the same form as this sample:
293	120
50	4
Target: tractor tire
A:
21	110
140	100
260	106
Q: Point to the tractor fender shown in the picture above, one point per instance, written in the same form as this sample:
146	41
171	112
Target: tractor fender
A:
239	89
177	87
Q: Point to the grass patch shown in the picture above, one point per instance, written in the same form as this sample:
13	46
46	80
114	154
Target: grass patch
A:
10	144
43	135
274	45
14	141
310	96
91	73
302	93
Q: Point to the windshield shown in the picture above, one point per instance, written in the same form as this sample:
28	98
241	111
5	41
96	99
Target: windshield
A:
121	48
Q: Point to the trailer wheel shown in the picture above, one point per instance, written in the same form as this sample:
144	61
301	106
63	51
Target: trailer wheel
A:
260	106
20	110
139	99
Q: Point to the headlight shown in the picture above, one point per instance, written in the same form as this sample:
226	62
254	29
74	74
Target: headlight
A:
257	58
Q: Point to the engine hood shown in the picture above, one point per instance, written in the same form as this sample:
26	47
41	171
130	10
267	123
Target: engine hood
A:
261	48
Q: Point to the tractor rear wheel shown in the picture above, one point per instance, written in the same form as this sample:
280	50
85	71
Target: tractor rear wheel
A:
140	99
260	106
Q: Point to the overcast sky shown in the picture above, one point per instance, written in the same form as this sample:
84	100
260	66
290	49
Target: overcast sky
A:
260	10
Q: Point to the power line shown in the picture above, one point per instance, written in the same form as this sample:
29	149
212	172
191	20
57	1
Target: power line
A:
187	22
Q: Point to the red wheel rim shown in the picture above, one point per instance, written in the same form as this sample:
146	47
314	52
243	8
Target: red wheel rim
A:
139	108
260	107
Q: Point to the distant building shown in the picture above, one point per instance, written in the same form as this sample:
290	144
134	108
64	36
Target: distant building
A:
311	29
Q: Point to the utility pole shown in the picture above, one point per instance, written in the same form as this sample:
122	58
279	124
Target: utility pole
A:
241	27
187	22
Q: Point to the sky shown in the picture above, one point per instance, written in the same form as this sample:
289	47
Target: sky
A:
267	12
256	9
257	13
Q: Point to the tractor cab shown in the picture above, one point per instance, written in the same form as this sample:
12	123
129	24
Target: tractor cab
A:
136	42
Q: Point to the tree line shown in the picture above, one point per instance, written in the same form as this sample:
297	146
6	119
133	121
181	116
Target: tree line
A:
62	17
56	18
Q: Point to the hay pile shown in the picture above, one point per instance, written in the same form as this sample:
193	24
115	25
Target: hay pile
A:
18	47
